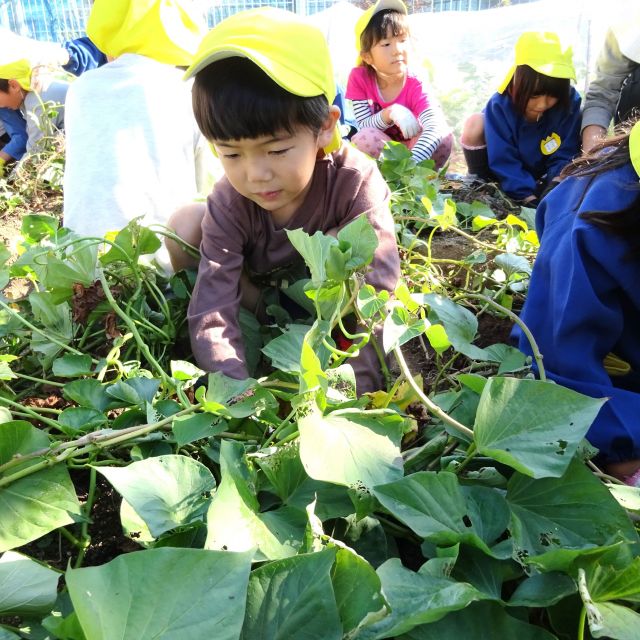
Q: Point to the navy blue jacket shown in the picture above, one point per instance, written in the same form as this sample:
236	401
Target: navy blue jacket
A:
16	128
521	152
584	302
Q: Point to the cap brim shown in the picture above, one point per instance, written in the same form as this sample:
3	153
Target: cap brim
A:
292	81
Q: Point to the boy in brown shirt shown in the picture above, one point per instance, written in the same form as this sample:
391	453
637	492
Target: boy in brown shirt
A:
262	96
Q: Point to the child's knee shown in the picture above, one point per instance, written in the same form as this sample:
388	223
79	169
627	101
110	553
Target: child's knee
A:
370	141
443	151
186	223
473	131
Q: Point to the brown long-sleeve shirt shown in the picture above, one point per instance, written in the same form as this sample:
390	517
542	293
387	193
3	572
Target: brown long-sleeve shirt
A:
236	232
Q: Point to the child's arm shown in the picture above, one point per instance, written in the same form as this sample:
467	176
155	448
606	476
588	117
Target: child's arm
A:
216	339
612	67
502	148
366	119
434	130
83	55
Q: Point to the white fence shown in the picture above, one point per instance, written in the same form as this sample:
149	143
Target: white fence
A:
58	20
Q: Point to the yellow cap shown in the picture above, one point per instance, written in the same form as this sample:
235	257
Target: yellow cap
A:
544	54
365	18
634	147
19	70
165	30
293	53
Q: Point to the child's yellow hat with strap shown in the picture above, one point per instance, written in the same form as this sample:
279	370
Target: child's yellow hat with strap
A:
544	53
167	31
12	69
292	52
365	18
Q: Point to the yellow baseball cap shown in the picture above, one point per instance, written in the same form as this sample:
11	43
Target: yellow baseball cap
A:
365	18
292	52
634	147
168	31
19	70
544	53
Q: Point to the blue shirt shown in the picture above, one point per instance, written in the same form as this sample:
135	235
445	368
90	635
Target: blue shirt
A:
520	152
16	128
83	56
584	302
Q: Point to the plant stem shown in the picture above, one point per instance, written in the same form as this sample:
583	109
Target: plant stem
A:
431	406
85	538
537	356
471	454
39	380
86	444
49	336
602	475
31	413
581	623
70	537
279	428
134	330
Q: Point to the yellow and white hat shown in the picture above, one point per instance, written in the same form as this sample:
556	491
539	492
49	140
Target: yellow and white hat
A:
292	52
365	18
12	69
544	53
167	31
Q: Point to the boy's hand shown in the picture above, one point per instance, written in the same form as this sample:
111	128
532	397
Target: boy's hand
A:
404	120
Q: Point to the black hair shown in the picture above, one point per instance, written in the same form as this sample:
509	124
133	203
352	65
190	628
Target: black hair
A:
233	99
4	85
528	83
607	155
383	24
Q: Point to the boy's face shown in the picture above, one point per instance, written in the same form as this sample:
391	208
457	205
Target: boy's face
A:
13	98
275	171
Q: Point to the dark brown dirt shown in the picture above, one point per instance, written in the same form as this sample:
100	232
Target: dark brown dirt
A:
105	530
423	360
486	192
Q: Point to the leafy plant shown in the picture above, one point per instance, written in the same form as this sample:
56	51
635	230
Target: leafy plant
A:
265	506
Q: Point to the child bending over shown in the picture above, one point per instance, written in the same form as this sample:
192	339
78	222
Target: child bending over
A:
530	128
583	306
389	101
23	92
262	96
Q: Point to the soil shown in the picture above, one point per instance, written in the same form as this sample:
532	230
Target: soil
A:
486	192
105	531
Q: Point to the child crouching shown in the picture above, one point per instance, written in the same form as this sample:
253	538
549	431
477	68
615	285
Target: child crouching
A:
262	96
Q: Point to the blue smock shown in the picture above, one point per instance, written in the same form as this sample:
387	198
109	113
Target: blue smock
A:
584	302
521	152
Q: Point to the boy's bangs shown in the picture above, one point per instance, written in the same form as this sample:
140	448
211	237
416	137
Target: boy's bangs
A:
261	116
234	99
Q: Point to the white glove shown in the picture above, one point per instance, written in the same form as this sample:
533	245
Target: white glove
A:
405	120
